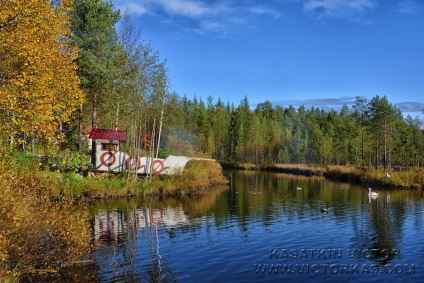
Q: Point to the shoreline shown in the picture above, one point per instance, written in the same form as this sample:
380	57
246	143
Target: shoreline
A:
410	179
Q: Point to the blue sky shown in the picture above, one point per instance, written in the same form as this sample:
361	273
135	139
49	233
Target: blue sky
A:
291	52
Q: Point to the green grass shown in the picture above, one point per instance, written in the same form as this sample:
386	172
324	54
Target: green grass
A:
198	177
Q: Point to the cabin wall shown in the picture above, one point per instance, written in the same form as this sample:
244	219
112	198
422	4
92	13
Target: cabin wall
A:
110	159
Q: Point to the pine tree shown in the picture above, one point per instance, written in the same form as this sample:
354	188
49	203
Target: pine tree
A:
93	26
383	116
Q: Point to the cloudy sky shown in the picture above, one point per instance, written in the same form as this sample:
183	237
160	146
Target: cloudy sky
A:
291	52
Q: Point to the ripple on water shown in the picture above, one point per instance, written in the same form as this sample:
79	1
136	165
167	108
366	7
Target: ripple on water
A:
227	238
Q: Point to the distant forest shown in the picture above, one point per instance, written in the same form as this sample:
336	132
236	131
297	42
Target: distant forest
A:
372	133
74	68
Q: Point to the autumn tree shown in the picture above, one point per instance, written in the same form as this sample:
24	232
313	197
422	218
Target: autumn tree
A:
141	89
39	87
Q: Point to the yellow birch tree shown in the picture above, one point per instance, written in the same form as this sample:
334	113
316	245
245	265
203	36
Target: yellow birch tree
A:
39	87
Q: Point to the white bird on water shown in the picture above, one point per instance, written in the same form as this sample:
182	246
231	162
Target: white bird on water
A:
373	194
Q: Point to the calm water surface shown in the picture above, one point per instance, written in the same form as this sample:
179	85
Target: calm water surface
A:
263	228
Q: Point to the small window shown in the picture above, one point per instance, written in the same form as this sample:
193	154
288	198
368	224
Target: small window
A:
110	146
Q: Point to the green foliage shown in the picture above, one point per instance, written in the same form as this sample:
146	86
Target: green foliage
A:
23	162
371	133
76	163
74	186
165	152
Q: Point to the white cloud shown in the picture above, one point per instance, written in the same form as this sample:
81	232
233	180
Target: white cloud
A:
205	17
407	6
411	107
190	8
133	8
211	27
266	11
352	10
324	103
186	8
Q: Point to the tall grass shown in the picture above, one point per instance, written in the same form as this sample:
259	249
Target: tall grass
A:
198	177
74	186
36	234
410	178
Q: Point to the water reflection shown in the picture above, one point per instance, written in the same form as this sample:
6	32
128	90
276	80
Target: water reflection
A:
123	235
261	220
112	226
376	234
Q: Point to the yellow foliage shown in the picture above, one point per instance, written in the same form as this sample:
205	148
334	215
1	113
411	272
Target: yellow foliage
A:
36	233
39	87
198	177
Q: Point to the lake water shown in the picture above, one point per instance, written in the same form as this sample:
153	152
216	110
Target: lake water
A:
264	227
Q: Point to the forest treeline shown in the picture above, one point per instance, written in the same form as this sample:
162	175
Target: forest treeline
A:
372	133
68	64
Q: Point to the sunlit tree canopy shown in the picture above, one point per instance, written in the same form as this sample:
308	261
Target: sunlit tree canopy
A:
39	88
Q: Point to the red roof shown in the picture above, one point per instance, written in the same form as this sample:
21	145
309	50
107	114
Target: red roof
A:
108	134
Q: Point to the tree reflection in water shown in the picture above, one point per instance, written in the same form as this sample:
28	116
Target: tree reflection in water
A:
160	240
376	238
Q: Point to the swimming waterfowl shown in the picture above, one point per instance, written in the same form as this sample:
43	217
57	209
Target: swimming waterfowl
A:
325	210
373	194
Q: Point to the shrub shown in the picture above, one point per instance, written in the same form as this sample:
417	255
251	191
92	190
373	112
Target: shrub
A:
198	176
35	233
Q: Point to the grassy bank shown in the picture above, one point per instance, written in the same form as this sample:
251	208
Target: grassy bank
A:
412	178
198	177
295	169
44	217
